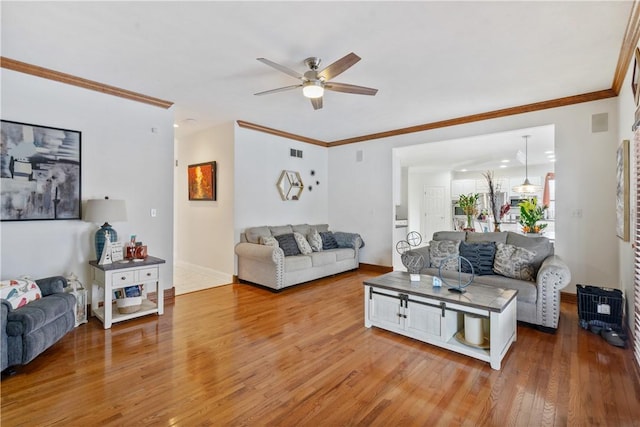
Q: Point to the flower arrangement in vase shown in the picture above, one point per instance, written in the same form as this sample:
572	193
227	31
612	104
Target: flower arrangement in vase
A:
530	214
494	190
468	204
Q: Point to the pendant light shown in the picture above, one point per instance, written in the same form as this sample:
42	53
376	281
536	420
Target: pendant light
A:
526	187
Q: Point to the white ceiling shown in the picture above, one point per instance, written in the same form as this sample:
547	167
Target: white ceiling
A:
430	60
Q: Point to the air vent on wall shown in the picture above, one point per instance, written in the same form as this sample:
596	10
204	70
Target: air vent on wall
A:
295	153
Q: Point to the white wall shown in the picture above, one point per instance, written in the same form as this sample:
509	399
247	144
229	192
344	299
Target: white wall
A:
585	178
121	158
204	229
259	160
627	107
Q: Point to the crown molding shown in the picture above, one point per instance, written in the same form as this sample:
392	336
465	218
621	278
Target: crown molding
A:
627	50
46	73
281	133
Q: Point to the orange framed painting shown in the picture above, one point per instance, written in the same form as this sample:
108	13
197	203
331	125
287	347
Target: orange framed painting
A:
202	181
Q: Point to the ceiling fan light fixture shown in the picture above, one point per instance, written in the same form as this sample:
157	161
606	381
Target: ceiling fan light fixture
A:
313	89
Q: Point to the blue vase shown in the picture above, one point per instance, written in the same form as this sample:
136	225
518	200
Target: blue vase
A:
101	238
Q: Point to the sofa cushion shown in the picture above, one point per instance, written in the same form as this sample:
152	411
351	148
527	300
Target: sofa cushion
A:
315	241
328	241
288	244
441	249
321	227
303	245
281	229
323	258
527	291
35	315
303	229
344	253
296	263
514	262
497	237
480	255
19	292
269	241
541	246
449	235
253	234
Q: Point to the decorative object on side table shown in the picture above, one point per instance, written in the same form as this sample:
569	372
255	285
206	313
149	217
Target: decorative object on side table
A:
459	287
412	260
41	172
105	210
76	289
530	214
468	204
202	181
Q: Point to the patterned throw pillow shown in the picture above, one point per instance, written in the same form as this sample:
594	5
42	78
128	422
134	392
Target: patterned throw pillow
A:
480	255
19	292
514	262
303	245
288	244
328	241
315	241
441	249
269	241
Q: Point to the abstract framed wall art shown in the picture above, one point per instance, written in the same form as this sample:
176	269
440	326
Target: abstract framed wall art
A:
40	171
622	191
202	181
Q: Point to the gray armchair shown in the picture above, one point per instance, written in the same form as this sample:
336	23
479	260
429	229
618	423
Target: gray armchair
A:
29	330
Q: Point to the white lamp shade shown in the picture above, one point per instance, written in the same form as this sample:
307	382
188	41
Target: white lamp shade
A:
313	89
100	211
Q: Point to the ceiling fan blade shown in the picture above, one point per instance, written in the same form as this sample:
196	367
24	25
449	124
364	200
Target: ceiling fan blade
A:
339	66
282	68
343	87
317	103
281	89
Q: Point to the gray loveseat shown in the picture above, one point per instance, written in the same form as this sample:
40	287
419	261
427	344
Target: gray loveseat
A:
538	281
268	266
31	329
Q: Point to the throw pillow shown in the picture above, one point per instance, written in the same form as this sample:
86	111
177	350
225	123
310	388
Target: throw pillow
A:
269	241
441	249
19	292
514	262
540	246
302	243
480	255
328	241
315	241
288	244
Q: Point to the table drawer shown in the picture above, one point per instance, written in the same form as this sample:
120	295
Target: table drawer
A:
123	278
148	274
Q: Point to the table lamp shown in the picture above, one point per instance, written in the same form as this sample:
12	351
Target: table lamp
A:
104	210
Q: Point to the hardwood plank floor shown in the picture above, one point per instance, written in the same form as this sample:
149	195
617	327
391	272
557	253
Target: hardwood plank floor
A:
240	355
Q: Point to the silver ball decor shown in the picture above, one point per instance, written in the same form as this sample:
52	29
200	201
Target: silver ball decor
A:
412	260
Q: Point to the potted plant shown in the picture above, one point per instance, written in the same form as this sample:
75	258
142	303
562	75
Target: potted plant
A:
530	214
468	205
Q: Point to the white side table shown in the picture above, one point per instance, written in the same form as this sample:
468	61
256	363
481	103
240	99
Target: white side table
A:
107	278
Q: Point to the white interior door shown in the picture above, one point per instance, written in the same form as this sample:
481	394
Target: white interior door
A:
435	211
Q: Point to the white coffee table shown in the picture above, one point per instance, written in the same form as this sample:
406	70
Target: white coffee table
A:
436	315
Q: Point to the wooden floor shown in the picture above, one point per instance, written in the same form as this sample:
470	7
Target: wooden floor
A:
239	355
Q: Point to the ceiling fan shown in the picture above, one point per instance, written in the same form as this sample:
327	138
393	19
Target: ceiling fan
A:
314	82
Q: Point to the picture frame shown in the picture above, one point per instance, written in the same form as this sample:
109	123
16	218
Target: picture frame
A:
202	181
622	191
636	77
40	172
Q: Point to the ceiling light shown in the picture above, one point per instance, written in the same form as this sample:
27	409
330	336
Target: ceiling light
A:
463	170
503	166
548	152
526	187
313	89
505	161
551	156
175	125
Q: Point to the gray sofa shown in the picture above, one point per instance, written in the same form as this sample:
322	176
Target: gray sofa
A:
31	329
268	266
538	283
